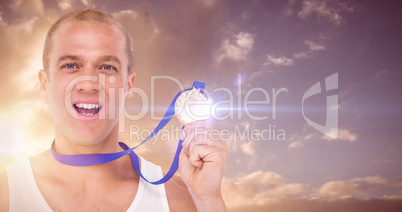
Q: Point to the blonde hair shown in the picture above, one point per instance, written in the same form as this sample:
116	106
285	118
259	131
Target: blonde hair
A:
87	15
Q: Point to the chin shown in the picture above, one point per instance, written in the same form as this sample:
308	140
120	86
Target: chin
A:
84	138
88	132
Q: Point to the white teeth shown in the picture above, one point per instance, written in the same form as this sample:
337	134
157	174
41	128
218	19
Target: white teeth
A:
87	106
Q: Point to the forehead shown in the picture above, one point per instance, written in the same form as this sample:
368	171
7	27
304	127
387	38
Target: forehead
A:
88	39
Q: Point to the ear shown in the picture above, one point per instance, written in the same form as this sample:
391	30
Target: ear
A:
131	79
42	75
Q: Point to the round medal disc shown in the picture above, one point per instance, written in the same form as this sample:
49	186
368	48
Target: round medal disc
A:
192	106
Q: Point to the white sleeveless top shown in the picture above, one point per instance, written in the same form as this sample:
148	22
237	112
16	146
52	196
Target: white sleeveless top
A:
25	195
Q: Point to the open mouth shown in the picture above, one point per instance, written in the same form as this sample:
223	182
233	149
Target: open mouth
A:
87	109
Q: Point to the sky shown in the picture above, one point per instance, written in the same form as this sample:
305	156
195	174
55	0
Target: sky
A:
339	149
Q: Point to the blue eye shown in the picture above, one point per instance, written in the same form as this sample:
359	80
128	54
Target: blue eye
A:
106	67
70	66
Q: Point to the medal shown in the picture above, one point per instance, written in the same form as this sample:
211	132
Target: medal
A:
192	105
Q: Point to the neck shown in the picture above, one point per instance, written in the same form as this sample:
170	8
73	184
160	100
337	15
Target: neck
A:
70	146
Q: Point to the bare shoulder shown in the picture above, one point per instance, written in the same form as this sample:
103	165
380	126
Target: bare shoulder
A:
178	196
3	192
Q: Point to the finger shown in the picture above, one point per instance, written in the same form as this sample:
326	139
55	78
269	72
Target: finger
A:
183	161
196	157
193	134
218	144
201	154
185	167
187	140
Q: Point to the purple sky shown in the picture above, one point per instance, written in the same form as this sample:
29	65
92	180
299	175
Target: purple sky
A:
268	45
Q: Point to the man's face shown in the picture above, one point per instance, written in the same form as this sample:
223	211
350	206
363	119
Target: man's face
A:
87	68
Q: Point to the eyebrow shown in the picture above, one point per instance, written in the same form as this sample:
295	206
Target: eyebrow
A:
68	57
109	58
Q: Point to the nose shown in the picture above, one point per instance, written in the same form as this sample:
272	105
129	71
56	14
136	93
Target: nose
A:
87	84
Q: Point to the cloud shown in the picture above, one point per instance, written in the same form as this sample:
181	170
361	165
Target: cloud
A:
397	196
317	205
295	145
297	140
347	135
65	4
232	52
28	7
245	40
268	179
22	60
268	190
259	187
259	74
398	182
324	9
343	135
354	187
279	60
289	61
126	14
247	148
372	180
236	51
339	189
312	47
85	2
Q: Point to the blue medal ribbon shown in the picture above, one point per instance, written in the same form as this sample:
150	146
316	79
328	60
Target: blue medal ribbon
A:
95	159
